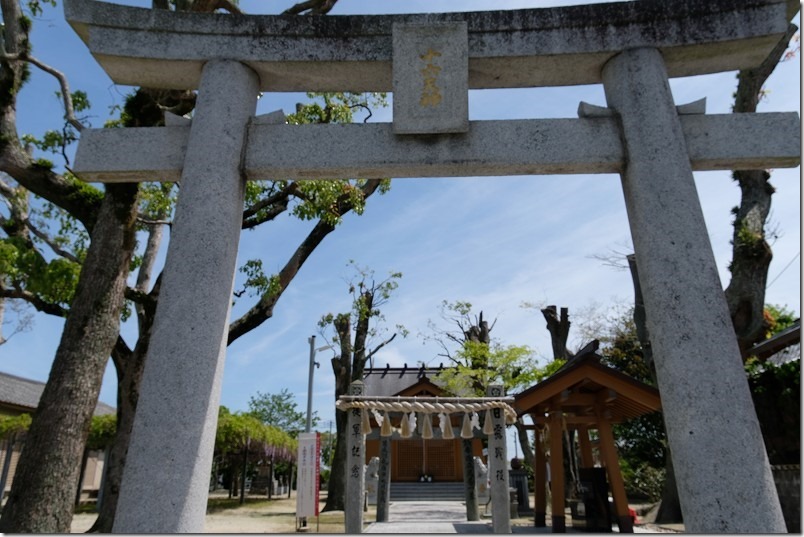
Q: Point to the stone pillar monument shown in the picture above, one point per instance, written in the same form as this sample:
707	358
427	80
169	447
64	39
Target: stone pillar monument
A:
470	481
384	486
178	413
498	467
705	397
355	466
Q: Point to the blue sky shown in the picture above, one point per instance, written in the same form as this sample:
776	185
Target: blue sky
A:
494	241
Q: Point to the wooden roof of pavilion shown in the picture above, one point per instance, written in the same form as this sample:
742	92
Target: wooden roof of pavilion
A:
581	385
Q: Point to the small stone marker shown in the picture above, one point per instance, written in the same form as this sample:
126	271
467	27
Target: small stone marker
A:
431	78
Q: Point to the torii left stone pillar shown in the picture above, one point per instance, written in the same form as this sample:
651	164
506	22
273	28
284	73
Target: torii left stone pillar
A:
177	414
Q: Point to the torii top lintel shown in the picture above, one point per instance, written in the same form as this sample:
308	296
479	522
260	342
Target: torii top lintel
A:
522	48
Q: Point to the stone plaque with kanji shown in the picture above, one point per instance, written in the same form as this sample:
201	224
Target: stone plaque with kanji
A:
431	78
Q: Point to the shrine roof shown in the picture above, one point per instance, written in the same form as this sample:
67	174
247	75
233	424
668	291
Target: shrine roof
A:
391	381
584	385
22	395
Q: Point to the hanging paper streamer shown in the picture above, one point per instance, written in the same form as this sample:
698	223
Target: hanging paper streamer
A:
488	428
427	428
377	416
386	429
412	421
365	424
446	427
404	426
466	429
475	420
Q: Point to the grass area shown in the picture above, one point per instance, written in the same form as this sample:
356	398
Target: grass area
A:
277	515
217	505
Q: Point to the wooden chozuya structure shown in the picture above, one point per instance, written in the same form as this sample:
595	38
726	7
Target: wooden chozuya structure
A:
583	395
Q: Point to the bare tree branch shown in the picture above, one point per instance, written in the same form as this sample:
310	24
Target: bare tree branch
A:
37	302
380	346
69	111
50	242
311	7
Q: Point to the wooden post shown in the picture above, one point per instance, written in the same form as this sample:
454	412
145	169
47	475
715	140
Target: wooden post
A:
355	467
587	460
608	453
384	479
557	472
539	481
498	467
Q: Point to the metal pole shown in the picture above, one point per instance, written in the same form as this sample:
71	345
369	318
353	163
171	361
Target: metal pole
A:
309	425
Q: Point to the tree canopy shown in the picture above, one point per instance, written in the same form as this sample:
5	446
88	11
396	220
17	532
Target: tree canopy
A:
279	410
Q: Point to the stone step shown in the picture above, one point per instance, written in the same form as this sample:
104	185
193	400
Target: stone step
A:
444	491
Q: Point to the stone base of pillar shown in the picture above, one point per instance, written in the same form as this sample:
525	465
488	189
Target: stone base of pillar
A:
559	524
539	520
626	524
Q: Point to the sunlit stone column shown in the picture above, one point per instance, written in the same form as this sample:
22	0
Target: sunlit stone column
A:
166	479
724	479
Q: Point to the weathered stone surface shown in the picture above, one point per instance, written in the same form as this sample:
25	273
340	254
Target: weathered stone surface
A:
521	147
725	483
431	78
384	480
355	466
498	467
166	479
521	48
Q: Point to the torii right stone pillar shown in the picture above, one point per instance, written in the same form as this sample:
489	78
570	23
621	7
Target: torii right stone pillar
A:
724	480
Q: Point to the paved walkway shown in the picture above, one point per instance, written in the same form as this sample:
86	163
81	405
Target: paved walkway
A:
450	517
428	517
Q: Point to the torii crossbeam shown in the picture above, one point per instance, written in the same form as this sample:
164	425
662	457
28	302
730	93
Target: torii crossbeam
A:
430	61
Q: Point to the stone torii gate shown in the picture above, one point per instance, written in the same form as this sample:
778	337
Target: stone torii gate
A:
499	413
430	61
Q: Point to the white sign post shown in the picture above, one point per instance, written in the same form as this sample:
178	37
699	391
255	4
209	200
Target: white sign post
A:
308	478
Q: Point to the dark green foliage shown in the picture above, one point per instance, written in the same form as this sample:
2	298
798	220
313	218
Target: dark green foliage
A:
776	391
641	442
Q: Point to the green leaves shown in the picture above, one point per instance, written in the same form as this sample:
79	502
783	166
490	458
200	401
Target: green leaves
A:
14	424
25	268
238	430
279	410
102	431
480	364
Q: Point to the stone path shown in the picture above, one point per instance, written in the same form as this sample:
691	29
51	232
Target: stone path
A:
450	517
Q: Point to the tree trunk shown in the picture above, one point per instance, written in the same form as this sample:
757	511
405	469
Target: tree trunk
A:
524	443
559	331
129	376
670	505
41	498
244	474
129	365
751	253
336	490
341	367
